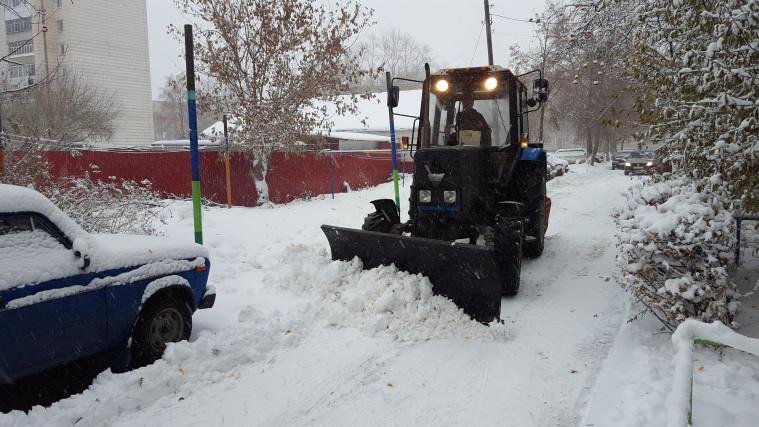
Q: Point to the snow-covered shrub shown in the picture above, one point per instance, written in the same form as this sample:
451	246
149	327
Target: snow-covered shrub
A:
676	241
22	164
109	206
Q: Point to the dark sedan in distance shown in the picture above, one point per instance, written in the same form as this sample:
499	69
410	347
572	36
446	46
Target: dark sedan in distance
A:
618	159
640	162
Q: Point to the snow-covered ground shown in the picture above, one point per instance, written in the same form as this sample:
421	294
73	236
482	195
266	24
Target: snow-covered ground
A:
297	339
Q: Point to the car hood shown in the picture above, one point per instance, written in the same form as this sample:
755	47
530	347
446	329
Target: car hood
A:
111	251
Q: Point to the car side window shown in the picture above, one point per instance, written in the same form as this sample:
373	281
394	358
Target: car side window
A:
21	234
15	224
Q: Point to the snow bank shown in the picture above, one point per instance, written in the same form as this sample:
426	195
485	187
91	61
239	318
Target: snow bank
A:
679	400
381	302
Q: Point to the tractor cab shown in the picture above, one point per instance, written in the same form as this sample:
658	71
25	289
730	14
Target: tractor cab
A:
481	107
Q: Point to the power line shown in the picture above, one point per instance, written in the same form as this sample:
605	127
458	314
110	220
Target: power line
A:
529	21
478	43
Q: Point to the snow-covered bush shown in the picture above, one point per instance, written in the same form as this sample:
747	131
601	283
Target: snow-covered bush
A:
22	164
110	206
676	241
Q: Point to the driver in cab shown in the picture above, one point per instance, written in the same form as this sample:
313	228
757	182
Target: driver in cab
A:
471	119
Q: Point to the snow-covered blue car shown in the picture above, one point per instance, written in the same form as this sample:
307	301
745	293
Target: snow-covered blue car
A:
66	294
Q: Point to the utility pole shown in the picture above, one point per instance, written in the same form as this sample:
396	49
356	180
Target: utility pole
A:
488	33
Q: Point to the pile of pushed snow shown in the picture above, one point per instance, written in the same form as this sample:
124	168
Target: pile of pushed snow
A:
675	243
381	302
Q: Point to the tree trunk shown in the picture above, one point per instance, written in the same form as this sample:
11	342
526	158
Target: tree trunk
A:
588	137
594	151
258	171
542	117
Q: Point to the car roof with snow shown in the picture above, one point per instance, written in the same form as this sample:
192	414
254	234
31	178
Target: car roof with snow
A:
14	198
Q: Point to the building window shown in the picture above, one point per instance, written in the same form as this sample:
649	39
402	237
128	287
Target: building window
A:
20	25
61	49
16	3
59	3
21	47
60	25
18	71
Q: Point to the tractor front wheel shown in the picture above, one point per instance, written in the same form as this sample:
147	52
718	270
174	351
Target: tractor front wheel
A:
508	249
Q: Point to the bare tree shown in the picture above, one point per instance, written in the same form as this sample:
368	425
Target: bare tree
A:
65	109
277	65
392	51
170	114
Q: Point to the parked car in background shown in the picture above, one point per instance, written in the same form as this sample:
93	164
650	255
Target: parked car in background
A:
66	294
572	155
555	166
640	162
618	159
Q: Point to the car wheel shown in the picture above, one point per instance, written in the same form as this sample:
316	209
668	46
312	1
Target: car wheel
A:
162	320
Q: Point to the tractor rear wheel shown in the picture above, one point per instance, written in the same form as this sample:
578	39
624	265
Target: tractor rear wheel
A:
535	202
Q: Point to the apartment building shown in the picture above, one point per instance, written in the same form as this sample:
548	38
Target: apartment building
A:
103	41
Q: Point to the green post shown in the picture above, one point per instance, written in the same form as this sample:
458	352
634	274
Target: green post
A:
193	120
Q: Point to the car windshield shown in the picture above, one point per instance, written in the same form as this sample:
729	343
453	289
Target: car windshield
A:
467	106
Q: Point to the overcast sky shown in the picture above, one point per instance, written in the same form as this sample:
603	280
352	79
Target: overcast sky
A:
450	27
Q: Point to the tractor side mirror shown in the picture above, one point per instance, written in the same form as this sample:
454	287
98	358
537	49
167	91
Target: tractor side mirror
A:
540	90
393	95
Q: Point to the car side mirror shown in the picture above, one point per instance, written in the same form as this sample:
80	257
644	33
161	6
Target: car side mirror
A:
540	90
84	260
393	96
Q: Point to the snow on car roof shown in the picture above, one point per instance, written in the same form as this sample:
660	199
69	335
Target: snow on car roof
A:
14	198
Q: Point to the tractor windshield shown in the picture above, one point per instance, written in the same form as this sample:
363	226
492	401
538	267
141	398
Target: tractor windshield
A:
469	112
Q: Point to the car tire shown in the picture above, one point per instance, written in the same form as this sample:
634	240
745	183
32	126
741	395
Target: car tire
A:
163	319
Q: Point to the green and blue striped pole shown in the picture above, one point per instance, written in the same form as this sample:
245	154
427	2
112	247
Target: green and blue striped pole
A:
393	149
193	120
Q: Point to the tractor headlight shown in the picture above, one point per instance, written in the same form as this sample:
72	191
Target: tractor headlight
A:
425	196
449	197
649	164
491	83
628	164
441	85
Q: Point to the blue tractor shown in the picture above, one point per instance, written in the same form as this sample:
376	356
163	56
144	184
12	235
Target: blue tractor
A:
478	199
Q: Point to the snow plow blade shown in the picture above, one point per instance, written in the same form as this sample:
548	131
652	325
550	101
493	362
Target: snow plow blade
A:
469	275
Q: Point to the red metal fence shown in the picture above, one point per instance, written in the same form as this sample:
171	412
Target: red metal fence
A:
290	176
